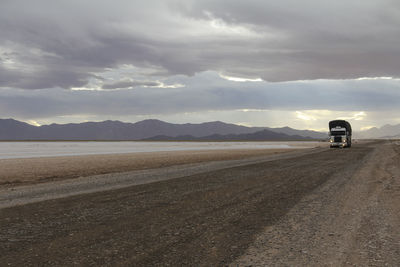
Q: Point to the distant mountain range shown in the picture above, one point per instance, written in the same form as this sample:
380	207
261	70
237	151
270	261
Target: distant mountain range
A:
257	136
148	130
386	131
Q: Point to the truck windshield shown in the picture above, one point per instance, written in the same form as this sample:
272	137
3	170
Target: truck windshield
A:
338	132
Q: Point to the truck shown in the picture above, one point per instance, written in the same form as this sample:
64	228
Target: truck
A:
340	133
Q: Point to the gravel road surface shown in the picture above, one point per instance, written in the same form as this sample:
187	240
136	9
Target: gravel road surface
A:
320	207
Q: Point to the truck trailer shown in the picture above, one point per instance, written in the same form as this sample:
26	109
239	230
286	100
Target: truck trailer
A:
340	133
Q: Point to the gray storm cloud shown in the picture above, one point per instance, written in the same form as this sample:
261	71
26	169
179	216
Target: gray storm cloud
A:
350	95
198	57
46	44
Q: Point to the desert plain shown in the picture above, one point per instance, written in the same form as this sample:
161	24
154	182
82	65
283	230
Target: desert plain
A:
299	207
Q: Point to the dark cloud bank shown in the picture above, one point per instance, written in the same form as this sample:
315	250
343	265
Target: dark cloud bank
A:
63	43
151	46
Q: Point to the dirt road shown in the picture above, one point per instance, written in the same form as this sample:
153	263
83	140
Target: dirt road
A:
333	207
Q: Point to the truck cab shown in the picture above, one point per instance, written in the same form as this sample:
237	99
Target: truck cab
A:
340	133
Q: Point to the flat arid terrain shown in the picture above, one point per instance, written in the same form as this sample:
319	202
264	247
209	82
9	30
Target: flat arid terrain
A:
306	207
24	171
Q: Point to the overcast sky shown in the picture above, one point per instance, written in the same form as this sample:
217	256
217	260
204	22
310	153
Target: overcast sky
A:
254	62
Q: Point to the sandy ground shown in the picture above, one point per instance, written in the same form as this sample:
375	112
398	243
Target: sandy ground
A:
328	207
353	219
20	194
33	170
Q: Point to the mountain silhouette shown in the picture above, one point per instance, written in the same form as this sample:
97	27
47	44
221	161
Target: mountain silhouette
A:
11	129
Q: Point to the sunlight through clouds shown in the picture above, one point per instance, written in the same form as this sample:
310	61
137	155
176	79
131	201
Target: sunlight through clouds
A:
239	79
304	116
